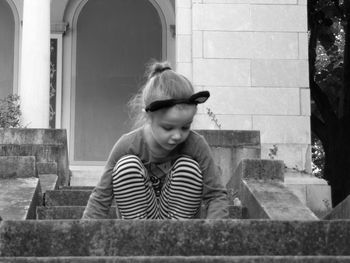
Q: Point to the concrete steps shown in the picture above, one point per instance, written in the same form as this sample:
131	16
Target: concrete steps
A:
180	259
145	238
69	203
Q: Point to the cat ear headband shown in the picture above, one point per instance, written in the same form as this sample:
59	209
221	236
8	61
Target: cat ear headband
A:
197	98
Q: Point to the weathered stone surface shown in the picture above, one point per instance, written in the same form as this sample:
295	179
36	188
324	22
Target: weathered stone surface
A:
19	198
260	169
341	211
272	200
65	212
236	212
173	238
46	167
230	147
47	145
67	197
17	167
88	188
48	182
228	138
180	259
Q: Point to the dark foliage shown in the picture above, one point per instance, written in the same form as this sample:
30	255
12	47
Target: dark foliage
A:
329	85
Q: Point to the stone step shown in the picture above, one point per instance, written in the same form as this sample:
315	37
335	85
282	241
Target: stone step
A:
57	238
65	212
67	197
263	193
19	198
341	211
180	259
78	197
76	212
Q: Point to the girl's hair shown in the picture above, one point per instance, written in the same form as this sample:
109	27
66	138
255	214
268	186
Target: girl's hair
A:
162	83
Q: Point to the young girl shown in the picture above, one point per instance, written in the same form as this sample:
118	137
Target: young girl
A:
162	170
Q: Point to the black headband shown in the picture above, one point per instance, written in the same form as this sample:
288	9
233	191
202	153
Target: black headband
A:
197	98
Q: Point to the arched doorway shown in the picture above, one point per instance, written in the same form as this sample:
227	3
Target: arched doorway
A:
114	40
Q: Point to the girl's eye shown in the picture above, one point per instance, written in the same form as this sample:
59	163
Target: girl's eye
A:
167	128
186	128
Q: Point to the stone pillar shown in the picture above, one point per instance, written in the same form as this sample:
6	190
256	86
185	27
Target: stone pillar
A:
34	88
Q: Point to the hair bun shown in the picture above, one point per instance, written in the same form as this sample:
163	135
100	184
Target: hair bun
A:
158	68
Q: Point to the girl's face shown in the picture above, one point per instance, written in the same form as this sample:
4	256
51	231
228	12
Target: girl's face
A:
170	127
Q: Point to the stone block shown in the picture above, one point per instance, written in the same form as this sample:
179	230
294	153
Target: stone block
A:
197	44
303	45
227	122
276	2
281	18
228	138
47	167
279	73
183	21
221	72
17	167
228	17
184	3
180	259
185	68
272	200
295	155
66	212
48	182
184	48
47	145
229	147
305	102
341	211
283	129
19	198
260	169
257	101
59	238
312	191
256	45
318	199
67	198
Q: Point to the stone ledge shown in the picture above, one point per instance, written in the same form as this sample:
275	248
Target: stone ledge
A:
48	182
180	259
33	136
17	167
261	169
272	200
58	238
341	211
19	198
47	145
66	212
67	197
230	138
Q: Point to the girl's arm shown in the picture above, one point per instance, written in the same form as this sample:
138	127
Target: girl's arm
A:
214	193
100	199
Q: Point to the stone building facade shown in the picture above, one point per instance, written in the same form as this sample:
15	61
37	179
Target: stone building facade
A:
251	55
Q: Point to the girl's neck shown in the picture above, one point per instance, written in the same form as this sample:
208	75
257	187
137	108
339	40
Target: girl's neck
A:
156	151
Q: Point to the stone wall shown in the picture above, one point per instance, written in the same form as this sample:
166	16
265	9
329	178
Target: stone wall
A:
252	57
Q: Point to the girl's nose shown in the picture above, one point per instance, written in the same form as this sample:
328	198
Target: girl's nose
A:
176	135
